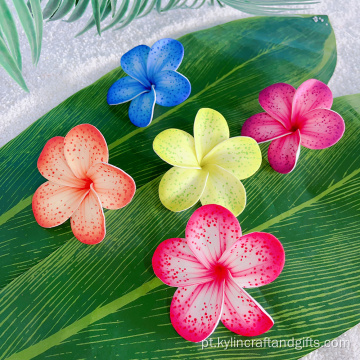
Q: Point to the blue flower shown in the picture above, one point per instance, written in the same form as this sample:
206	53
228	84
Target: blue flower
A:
152	79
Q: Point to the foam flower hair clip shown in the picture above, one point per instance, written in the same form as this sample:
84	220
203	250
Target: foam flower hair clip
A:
152	79
211	267
294	118
80	183
207	167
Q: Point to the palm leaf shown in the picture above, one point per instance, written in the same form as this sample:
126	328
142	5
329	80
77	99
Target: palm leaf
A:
8	27
60	298
63	9
8	63
32	20
78	11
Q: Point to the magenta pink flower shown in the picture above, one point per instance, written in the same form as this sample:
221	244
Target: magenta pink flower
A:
210	267
294	118
81	183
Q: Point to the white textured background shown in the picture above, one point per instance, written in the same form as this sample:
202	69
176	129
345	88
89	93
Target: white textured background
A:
68	64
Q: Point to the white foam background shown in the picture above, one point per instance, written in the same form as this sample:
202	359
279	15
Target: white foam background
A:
68	64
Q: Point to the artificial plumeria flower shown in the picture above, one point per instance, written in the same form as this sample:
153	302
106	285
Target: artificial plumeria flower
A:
210	267
207	167
81	183
294	118
153	79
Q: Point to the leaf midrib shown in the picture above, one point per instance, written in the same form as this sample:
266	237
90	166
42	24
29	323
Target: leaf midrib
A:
103	311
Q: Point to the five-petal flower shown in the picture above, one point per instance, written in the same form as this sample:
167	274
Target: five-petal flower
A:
294	118
152	79
210	267
81	183
207	167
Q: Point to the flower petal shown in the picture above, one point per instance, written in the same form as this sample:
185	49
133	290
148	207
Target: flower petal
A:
165	54
53	204
243	315
277	100
171	88
210	129
312	94
124	90
141	109
240	155
175	264
262	127
256	259
284	152
321	128
195	310
181	188
88	221
210	231
177	148
223	188
53	166
134	63
84	146
114	186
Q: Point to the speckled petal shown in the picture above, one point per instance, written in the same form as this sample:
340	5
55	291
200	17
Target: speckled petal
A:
312	94
276	100
177	148
284	152
223	188
141	109
114	186
321	128
165	54
210	129
181	188
256	259
124	90
88	221
210	231
195	310
53	204
241	314
53	166
171	88
175	264
134	63
240	155
262	127
84	146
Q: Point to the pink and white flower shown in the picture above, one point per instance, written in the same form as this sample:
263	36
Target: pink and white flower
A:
294	118
211	267
81	183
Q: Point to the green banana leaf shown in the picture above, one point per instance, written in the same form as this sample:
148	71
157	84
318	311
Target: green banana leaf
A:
62	299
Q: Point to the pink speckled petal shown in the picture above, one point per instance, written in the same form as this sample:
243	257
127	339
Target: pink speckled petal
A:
88	221
256	259
277	100
242	314
284	152
195	310
175	264
211	230
53	204
114	187
53	166
84	146
312	94
262	127
321	128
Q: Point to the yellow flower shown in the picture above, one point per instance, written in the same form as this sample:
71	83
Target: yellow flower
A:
207	167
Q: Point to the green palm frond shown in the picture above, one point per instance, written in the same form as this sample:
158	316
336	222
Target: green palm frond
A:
33	13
